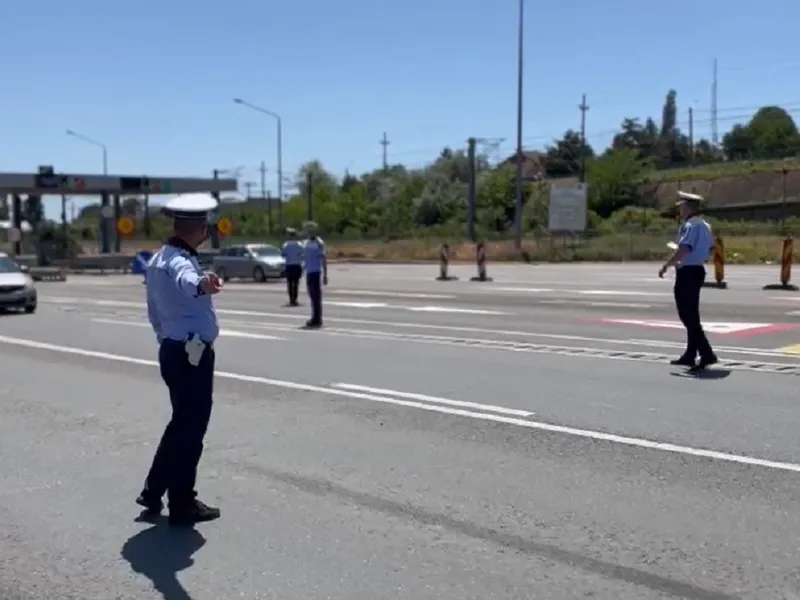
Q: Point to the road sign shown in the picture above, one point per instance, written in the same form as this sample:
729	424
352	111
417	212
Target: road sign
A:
225	226
126	226
568	209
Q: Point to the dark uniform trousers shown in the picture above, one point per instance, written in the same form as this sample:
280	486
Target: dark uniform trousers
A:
314	285
293	275
174	468
688	283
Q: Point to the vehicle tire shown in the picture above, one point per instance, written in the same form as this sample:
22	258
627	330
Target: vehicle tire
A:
258	275
30	309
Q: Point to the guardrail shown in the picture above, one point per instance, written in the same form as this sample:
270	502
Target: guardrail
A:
98	264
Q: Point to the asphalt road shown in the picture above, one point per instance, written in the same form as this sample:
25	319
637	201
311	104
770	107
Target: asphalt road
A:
517	439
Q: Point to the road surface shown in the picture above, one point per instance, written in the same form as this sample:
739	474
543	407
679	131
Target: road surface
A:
516	439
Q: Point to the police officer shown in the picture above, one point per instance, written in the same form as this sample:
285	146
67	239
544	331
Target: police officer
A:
292	252
316	272
182	315
695	242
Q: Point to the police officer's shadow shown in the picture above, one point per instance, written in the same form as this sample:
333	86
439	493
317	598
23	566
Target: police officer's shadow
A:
160	552
704	375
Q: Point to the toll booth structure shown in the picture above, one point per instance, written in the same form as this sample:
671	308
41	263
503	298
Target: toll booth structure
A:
110	188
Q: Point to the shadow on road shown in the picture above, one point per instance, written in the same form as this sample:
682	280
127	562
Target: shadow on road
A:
160	552
709	374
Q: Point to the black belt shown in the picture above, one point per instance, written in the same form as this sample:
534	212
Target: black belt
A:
182	342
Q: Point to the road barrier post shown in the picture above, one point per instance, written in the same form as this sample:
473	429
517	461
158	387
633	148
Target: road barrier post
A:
480	259
787	257
444	263
718	256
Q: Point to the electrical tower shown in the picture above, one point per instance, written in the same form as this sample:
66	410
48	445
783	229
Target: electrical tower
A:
583	107
385	143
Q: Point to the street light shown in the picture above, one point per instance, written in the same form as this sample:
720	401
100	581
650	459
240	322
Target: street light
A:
93	142
518	212
277	118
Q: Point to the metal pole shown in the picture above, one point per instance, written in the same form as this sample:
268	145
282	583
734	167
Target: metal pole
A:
105	160
280	174
471	189
214	232
518	212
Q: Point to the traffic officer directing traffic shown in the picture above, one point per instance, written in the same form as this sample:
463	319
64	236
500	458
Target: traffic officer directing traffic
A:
292	252
695	243
316	272
182	315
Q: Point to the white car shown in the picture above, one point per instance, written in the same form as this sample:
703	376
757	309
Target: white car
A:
17	289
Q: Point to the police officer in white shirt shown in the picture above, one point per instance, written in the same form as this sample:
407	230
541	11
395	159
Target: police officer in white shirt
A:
695	243
292	252
316	272
183	318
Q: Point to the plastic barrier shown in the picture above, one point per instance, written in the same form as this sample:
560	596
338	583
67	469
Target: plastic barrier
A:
444	264
480	259
718	256
787	257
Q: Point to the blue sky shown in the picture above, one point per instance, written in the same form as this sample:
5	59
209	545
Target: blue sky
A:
154	81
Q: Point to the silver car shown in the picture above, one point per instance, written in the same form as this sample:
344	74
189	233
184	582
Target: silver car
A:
17	289
258	262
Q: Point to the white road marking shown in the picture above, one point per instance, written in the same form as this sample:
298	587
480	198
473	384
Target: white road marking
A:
521	289
622	293
573	431
475	343
434	399
564	302
713	327
357	304
430	327
223	332
453	309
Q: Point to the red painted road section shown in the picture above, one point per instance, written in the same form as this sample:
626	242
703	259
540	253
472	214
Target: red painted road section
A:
728	329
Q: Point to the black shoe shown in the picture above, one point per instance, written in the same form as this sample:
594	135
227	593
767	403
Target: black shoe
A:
683	361
150	504
706	362
314	324
197	512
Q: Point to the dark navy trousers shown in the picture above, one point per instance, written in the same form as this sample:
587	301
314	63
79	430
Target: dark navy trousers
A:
174	469
314	285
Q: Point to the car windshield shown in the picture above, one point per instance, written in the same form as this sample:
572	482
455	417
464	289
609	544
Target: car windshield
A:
8	266
265	251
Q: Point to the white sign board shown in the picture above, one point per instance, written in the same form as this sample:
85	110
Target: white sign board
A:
568	206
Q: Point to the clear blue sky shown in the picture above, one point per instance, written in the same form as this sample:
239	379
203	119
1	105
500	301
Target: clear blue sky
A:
154	81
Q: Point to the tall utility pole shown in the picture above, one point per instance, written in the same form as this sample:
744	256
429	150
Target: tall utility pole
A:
714	131
309	196
213	226
518	203
385	143
583	107
263	171
471	142
691	136
248	185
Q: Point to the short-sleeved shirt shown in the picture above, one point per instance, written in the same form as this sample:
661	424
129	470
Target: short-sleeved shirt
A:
314	250
695	235
176	306
292	252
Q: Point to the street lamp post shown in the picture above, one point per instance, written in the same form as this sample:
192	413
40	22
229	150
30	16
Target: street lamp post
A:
93	142
518	207
277	118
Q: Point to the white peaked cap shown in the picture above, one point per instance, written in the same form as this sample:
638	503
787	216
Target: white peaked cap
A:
191	206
